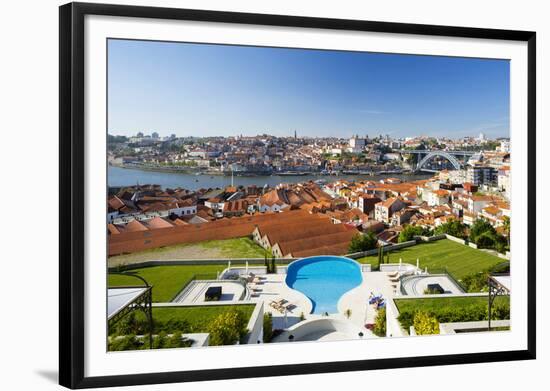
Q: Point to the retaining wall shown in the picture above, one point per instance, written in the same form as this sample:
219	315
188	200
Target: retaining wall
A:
256	325
222	261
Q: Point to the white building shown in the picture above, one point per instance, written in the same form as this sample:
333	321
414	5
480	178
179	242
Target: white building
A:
356	144
503	180
436	197
504	146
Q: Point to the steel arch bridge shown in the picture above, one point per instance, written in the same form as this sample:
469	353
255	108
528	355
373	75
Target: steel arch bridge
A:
456	164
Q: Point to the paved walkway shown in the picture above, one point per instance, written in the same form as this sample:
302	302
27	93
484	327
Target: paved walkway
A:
378	283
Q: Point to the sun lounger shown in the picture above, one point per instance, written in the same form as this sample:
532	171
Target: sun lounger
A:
280	305
393	274
253	278
290	307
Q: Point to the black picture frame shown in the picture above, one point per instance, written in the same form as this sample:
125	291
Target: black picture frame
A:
71	191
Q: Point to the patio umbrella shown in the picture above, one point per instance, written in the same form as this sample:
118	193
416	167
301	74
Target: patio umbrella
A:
246	270
228	265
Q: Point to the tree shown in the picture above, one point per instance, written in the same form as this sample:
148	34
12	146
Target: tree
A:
479	227
485	240
362	242
409	232
506	229
273	266
425	324
227	328
453	228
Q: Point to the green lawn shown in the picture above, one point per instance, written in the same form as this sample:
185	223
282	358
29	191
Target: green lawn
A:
460	260
167	281
198	318
208	249
435	304
235	248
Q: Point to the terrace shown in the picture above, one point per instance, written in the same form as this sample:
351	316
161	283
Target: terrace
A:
294	313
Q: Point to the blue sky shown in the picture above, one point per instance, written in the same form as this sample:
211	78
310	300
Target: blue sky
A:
209	90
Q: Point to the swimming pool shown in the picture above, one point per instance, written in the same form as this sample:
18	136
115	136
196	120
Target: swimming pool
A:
324	279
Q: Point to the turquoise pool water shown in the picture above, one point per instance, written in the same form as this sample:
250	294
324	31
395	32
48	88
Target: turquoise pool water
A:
324	279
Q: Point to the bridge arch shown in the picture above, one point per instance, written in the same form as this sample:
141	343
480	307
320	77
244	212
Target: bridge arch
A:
446	155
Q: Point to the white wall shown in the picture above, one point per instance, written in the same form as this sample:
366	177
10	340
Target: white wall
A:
29	95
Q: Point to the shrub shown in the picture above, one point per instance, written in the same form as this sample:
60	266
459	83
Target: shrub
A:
128	342
425	324
476	282
503	267
379	328
499	312
227	328
133	323
268	327
429	291
159	341
406	319
176	340
485	240
173	324
137	323
410	231
466	313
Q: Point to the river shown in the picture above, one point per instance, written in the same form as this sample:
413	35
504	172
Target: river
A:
118	176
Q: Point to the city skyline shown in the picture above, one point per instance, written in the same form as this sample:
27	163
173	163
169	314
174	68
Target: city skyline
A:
181	89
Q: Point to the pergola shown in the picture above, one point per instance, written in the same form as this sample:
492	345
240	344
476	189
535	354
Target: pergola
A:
498	285
121	300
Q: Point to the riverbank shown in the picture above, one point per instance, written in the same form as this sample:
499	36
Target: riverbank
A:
118	177
199	171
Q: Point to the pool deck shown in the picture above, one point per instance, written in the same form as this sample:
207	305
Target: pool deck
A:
273	288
